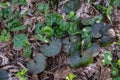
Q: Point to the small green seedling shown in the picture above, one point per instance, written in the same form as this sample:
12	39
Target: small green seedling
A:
47	31
114	71
22	74
107	58
4	36
118	62
71	76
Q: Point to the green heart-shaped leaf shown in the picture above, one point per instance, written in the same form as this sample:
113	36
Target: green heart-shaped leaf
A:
37	65
52	49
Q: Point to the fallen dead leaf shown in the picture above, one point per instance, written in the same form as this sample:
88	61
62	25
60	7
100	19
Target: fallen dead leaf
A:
2	45
3	60
62	73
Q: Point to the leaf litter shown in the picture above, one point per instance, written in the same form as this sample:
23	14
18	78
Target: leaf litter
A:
56	65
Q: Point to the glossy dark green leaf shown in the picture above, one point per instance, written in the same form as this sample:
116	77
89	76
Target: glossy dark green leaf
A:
38	65
107	40
86	56
96	30
3	75
94	49
71	5
76	61
52	49
103	31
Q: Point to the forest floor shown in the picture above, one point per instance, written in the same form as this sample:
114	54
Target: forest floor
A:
57	68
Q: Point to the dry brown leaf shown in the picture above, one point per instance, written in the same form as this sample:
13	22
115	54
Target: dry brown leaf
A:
105	74
62	73
2	45
3	59
35	77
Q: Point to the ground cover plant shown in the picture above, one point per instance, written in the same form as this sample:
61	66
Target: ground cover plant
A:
36	34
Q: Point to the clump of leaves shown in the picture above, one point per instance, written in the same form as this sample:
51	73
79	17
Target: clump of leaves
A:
4	36
37	65
104	32
71	76
106	10
85	57
3	75
21	41
47	31
21	74
70	44
14	24
52	49
108	60
12	19
115	70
